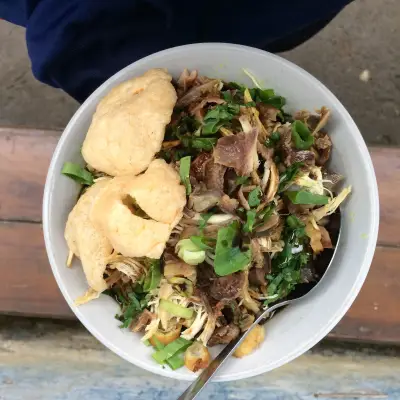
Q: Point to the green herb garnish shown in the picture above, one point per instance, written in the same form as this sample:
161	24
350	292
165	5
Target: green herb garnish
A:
131	308
266	212
206	144
267	96
204	219
201	242
304	197
77	173
241	180
301	135
219	116
287	265
184	173
287	177
254	198
250	220
228	256
273	139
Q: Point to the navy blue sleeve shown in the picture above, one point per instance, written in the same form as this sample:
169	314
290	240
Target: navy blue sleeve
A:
76	45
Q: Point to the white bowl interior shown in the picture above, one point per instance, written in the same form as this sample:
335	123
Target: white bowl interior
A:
298	327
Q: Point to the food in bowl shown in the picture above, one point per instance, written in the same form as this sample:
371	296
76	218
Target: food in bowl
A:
202	203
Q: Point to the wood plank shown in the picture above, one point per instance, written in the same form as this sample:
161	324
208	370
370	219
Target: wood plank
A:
27	285
29	153
387	168
24	160
375	314
29	288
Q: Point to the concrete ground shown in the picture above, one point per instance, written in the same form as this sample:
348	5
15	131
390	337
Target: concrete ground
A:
364	40
53	360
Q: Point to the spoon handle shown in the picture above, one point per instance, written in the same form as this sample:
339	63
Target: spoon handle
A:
195	388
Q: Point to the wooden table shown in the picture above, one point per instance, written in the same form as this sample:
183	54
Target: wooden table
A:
27	285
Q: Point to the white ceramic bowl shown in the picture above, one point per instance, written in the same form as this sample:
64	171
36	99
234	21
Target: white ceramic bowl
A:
298	327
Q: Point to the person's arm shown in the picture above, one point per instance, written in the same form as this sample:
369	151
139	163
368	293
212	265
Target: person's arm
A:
76	45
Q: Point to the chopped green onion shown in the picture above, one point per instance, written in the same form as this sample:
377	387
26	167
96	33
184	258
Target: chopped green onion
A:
189	252
77	173
157	344
251	218
293	222
175	309
266	212
184	172
301	135
153	277
176	361
229	258
147	343
304	197
171	349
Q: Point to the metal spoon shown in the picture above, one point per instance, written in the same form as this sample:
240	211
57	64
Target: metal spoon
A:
197	386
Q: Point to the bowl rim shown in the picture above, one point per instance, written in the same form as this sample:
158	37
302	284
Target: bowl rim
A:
364	267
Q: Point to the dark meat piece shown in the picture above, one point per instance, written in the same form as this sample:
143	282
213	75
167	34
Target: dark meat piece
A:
238	151
228	205
290	155
230	182
214	175
227	287
230	311
285	143
257	277
306	157
141	321
196	93
323	145
312	122
198	166
257	274
205	276
325	238
224	335
202	199
267	113
267	153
